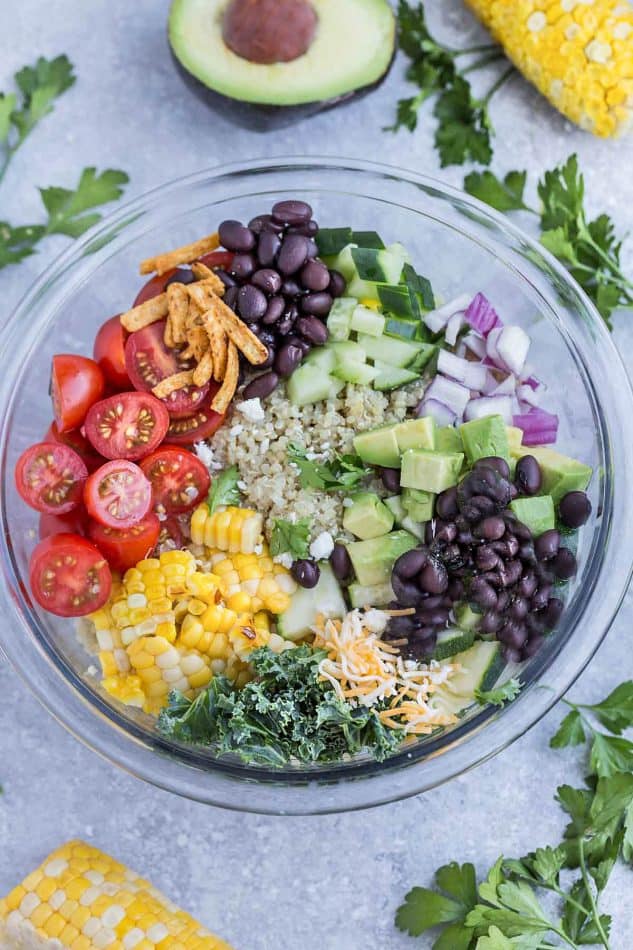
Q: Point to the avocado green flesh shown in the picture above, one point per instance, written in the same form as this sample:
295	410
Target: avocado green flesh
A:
352	48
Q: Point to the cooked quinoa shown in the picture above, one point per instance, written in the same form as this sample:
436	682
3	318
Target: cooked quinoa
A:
258	447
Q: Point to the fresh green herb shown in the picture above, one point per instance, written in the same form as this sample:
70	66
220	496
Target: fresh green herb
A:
341	473
590	250
39	86
500	694
224	490
464	130
504	912
285	712
290	537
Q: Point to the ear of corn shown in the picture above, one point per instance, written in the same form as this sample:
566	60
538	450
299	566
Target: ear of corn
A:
237	530
80	899
578	53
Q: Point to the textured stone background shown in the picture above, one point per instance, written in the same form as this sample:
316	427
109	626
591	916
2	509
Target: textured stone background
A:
329	883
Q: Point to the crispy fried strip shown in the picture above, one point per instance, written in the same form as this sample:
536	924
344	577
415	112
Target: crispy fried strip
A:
180	255
145	314
205	275
178	308
171	383
225	393
244	339
204	291
204	370
219	345
197	344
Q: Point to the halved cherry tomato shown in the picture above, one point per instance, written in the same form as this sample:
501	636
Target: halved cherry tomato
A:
171	534
75	522
109	352
76	383
179	479
221	259
69	576
127	426
118	495
195	428
123	548
50	477
148	360
77	442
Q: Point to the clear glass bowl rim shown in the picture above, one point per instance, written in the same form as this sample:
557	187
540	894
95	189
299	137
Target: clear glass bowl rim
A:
148	757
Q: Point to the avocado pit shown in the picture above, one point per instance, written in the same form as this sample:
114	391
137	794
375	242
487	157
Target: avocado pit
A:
269	31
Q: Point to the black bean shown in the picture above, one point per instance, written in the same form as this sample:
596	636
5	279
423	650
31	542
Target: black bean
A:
574	509
510	573
447	532
313	249
564	565
260	222
401	626
528	477
519	608
411	563
337	284
287	359
290	288
465	537
486	505
490	622
230	297
503	600
528	584
303	345
267	248
487	559
183	275
553	612
521	530
285	325
407	593
235	237
510	655
532	646
547	544
526	552
534	624
390	478
266	336
455	589
226	279
471	512
306	573
312	329
483	594
315	276
261	386
310	228
251	303
446	504
267	280
491	529
541	597
243	265
274	310
433	578
270	359
543	570
293	253
292	212
340	562
435	618
513	634
318	304
511	545
495	462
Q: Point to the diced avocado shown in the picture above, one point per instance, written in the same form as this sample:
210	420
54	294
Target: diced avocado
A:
378	446
362	374
367	516
418	504
391	377
515	438
373	560
481	667
416	433
466	618
310	383
326	599
485	437
376	596
339	321
402	519
561	474
401	353
448	439
537	513
430	471
367	321
452	641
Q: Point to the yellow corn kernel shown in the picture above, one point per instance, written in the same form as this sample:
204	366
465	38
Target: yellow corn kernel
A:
218	619
239	602
203	586
198	523
277	603
219	648
108	663
167	629
370	302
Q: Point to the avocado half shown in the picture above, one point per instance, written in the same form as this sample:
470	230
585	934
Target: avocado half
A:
323	52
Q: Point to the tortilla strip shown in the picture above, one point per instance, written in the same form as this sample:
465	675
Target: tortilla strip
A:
180	255
245	340
171	383
178	308
152	310
205	275
204	370
219	345
197	344
224	395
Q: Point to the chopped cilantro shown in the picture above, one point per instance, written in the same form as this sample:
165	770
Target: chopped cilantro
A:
291	537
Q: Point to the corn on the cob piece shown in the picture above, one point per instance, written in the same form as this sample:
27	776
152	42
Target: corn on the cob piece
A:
80	899
162	666
253	581
578	53
237	530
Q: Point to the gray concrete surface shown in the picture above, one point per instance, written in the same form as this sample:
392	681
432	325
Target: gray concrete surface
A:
329	883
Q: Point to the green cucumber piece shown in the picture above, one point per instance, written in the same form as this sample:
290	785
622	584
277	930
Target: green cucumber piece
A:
452	641
376	595
367	239
339	321
387	349
366	320
361	374
481	667
344	263
310	383
419	286
392	377
326	599
345	350
377	266
331	241
402	329
467	618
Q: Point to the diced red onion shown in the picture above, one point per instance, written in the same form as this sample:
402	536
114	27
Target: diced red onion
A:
489	406
453	327
491	348
475	344
539	427
437	410
507	387
437	319
481	315
491	384
471	374
529	394
531	381
450	393
512	345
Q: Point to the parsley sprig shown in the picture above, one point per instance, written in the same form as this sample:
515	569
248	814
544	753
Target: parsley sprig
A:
224	489
464	129
505	911
290	537
589	249
341	473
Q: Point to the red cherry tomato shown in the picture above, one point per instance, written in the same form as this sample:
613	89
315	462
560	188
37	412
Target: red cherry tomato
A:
171	534
75	522
127	425
50	477
77	442
156	285
118	495
76	383
109	352
179	479
69	576
148	360
195	428
123	548
222	259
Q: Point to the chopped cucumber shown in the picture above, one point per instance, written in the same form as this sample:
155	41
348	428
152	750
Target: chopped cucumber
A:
326	599
367	239
322	356
402	329
344	263
310	383
367	321
481	667
448	703
377	266
345	350
466	617
419	286
452	641
376	595
331	241
395	352
340	318
391	377
350	371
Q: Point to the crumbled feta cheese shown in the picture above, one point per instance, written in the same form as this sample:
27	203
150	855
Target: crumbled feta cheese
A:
284	559
241	484
376	620
252	409
322	546
205	453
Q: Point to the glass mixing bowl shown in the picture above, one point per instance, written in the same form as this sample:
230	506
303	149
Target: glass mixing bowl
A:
461	245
